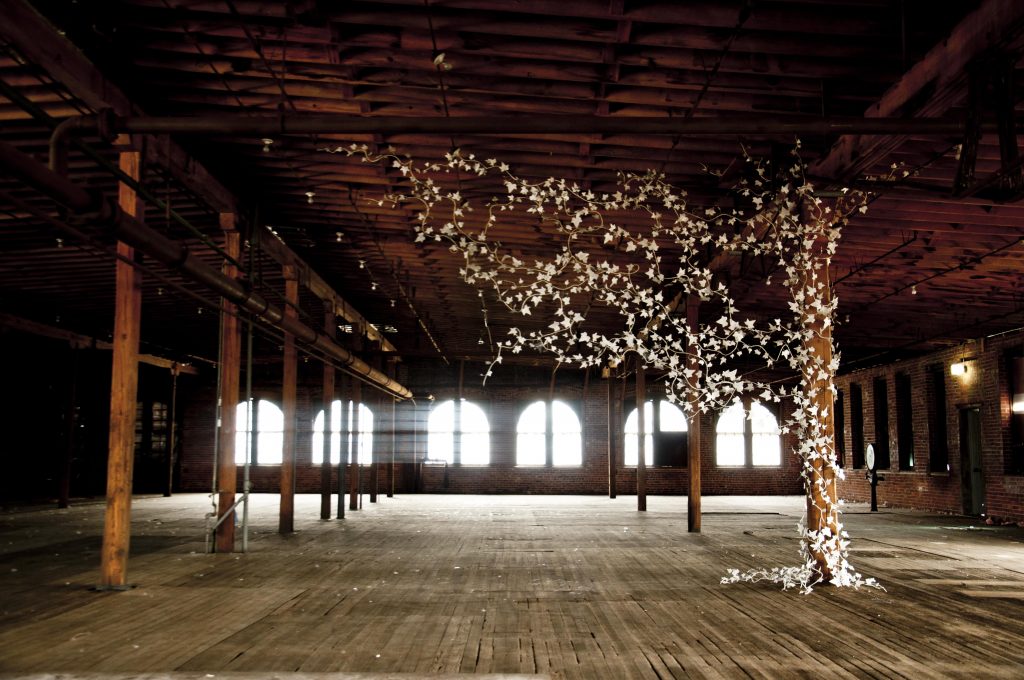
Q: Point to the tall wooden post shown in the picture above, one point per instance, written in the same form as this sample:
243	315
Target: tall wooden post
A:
124	382
353	489
394	436
172	430
584	430
328	400
64	489
343	436
378	432
378	437
641	461
229	366
822	503
612	434
286	520
693	452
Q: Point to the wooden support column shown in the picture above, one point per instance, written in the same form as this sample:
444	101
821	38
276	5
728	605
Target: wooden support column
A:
172	430
286	520
343	436
641	460
584	430
328	400
354	471
417	462
378	436
394	436
229	367
822	498
612	434
124	383
693	452
71	421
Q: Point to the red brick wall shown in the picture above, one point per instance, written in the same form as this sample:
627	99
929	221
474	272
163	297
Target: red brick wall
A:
503	398
986	386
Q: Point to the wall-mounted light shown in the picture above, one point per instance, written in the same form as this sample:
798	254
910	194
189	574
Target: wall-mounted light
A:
267	142
913	290
309	197
959	368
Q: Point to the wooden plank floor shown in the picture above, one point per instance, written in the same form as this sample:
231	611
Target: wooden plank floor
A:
553	586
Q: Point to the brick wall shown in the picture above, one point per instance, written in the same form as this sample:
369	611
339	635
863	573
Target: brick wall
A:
985	386
503	398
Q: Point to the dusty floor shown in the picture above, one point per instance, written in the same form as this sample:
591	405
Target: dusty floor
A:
559	586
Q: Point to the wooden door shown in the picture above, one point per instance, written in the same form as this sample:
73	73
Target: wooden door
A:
972	477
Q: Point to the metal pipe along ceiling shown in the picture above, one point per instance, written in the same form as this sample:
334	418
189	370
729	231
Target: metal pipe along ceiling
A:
179	258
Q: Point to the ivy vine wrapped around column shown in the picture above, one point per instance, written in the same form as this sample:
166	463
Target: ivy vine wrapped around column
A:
774	214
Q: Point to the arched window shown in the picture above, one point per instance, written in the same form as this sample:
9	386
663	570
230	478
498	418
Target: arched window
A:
766	446
742	440
668	418
730	448
346	411
267	421
537	444
458	427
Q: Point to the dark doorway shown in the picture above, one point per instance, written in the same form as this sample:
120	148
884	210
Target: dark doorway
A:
971	476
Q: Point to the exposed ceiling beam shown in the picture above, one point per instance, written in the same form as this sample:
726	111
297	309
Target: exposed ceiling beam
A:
84	341
265	125
39	42
276	249
930	88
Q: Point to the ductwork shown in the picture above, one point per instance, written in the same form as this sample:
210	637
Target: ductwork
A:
179	258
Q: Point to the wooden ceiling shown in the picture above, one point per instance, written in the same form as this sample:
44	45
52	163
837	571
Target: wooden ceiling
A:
927	266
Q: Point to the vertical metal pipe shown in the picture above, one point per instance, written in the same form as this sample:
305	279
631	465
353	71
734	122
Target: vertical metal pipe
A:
172	431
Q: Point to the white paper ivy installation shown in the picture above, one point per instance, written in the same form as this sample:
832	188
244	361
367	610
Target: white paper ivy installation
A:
639	251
